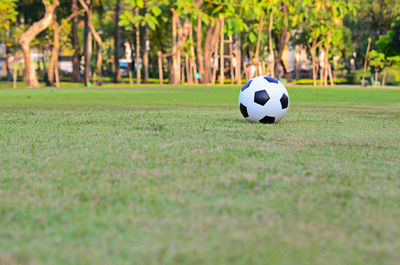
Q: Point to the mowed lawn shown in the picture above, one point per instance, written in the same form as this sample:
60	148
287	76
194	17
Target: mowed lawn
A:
175	175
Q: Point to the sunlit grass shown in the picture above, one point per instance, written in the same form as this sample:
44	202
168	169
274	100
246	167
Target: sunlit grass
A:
174	175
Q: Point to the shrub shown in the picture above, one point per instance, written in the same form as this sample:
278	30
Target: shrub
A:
392	76
355	76
310	81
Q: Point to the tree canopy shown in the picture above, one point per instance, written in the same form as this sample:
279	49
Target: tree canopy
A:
187	38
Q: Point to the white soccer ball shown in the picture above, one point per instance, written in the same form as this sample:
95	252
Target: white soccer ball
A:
263	99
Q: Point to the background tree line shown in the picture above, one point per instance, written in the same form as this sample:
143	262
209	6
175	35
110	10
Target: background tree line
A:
199	41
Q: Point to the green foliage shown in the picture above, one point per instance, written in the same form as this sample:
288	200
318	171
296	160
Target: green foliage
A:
394	61
321	17
390	43
310	81
355	76
377	60
371	19
309	22
392	75
8	15
152	11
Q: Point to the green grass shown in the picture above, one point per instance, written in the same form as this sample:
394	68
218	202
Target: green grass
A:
174	175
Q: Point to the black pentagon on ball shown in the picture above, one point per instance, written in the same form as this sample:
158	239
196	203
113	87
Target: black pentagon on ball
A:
284	101
267	120
271	80
243	110
261	97
246	85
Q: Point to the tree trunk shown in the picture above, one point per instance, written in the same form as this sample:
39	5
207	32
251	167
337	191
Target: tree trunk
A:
192	57
56	72
188	79
314	74
131	66
53	65
257	53
96	35
231	58
326	62
209	44
366	62
160	68
376	78
238	55
22	71
215	66
87	45
27	37
271	49
117	42
138	72
182	74
283	42
75	43
146	48
221	52
384	78
175	62
15	76
199	49
313	51
179	49
327	66
321	76
7	62
330	75
190	75
263	68
296	63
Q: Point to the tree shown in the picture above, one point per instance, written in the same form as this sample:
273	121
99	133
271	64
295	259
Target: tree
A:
7	19
371	19
312	32
284	36
234	14
330	14
210	13
151	10
117	41
377	61
88	7
366	62
8	15
75	43
86	50
272	9
189	15
389	44
53	65
389	62
26	39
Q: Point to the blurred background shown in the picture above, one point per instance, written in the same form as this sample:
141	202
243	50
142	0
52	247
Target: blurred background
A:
319	42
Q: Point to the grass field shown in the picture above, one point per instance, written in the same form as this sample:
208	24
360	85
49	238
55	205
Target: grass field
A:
174	175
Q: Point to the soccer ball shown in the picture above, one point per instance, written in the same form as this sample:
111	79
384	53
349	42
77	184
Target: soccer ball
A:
263	99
